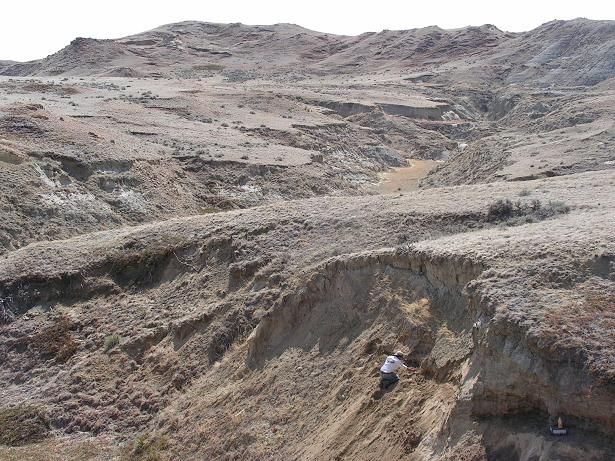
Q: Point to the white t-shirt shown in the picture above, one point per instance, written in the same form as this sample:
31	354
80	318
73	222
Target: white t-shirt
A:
391	364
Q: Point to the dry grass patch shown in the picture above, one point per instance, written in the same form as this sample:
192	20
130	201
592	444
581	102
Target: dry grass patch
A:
146	448
587	329
22	425
55	341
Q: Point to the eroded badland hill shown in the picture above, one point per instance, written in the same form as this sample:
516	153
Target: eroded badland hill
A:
213	234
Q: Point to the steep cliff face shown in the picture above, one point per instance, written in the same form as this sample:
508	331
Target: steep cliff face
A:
487	392
496	371
341	285
311	365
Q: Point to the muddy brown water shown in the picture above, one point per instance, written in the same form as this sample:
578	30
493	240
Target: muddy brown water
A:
405	179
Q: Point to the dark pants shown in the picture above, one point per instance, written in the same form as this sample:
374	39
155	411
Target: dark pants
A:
387	379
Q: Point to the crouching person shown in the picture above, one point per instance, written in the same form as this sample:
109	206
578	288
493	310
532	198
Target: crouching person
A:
388	377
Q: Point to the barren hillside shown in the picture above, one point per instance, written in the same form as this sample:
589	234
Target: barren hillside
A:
559	52
213	234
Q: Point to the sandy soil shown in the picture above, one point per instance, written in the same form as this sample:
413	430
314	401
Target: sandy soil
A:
405	179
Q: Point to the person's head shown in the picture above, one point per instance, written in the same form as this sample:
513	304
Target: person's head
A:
399	354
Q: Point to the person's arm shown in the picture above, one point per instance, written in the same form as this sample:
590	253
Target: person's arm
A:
407	367
400	363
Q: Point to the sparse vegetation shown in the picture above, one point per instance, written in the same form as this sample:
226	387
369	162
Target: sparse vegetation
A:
55	342
210	67
506	210
111	341
500	209
146	448
583	324
22	425
555	207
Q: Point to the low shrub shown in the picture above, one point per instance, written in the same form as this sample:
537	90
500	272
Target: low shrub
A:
500	209
111	341
520	212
